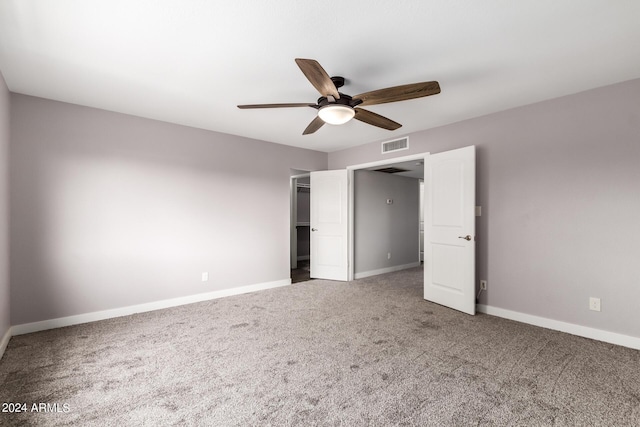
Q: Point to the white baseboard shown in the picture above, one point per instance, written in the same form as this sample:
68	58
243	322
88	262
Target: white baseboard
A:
27	328
369	273
556	325
4	342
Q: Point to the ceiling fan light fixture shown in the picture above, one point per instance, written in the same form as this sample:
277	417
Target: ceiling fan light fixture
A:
336	114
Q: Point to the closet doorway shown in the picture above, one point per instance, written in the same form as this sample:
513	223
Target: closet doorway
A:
300	227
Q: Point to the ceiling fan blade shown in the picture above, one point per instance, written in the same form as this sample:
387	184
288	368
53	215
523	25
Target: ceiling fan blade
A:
243	107
315	124
375	119
399	93
318	77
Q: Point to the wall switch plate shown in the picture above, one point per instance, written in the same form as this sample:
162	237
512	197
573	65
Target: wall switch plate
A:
478	210
388	255
205	276
594	304
483	285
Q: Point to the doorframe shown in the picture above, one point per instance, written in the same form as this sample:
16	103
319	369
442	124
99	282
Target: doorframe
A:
351	201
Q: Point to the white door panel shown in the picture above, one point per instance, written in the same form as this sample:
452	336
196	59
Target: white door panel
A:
447	205
449	267
329	225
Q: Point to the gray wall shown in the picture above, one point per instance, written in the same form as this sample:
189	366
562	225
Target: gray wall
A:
559	186
110	210
380	228
4	208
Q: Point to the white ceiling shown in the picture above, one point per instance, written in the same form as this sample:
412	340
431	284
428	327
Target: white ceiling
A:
191	62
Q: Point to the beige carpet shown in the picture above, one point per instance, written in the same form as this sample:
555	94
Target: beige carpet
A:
369	352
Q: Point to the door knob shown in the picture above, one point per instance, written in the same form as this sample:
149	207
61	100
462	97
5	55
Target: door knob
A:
467	237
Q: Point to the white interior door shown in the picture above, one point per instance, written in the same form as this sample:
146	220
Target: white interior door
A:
449	265
329	221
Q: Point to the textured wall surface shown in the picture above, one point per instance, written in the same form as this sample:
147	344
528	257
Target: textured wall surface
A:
559	186
111	210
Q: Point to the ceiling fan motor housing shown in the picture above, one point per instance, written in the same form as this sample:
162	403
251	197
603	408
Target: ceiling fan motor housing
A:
343	100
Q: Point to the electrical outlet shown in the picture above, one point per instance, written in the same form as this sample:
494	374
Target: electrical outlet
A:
483	285
594	304
205	276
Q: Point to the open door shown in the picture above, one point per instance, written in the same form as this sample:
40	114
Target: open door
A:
449	265
329	222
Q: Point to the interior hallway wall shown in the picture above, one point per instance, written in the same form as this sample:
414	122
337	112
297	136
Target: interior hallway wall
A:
559	186
111	210
380	228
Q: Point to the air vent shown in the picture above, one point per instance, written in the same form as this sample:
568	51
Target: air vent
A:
395	145
391	170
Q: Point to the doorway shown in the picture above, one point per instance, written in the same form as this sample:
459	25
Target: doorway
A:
300	227
327	224
398	222
386	233
449	225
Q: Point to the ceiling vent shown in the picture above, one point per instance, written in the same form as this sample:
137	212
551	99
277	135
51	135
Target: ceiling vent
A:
395	145
391	169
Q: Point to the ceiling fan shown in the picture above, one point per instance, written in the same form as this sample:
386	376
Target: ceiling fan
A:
336	108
